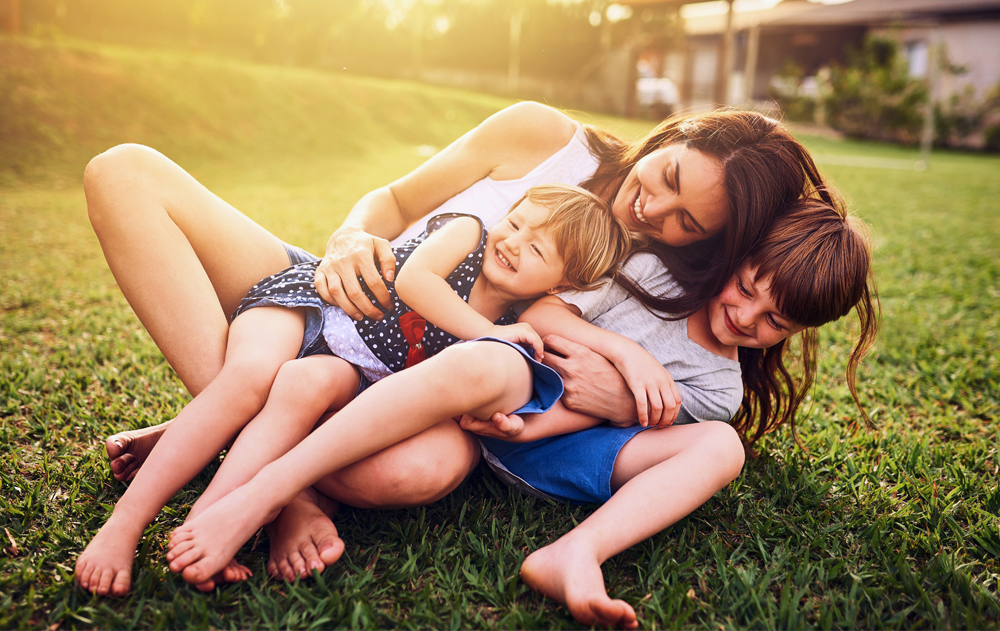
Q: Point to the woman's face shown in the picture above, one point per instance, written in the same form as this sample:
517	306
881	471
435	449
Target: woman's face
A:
674	195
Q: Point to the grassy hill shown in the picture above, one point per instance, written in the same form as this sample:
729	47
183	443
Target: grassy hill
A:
62	104
895	528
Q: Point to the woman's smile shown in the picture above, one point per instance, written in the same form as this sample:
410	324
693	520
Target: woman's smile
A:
674	195
637	207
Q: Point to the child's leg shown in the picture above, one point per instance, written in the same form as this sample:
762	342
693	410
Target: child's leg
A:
302	391
663	475
480	378
414	472
260	341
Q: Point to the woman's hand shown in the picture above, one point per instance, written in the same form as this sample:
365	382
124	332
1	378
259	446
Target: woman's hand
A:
657	398
520	333
502	426
592	384
351	253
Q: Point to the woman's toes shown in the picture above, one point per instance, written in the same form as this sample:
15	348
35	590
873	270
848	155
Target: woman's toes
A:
117	445
330	551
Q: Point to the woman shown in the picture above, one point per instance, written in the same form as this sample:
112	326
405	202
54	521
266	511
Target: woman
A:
706	187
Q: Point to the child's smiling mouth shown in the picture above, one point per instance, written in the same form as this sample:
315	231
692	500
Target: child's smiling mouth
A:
503	260
732	327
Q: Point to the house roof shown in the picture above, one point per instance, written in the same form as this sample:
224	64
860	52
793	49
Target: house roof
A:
854	12
885	11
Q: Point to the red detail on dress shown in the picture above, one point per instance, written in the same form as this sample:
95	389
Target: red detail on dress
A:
413	327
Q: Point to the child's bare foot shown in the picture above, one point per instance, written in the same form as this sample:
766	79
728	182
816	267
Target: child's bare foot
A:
202	547
105	567
128	450
303	537
570	574
234	572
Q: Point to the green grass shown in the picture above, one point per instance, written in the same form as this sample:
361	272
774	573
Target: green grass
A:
895	528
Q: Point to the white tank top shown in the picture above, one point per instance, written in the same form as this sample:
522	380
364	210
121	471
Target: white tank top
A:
490	199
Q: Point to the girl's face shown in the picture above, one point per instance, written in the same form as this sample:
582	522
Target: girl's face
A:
746	314
520	259
674	195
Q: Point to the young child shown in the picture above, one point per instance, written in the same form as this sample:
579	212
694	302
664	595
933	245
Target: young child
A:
457	282
813	267
728	359
475	378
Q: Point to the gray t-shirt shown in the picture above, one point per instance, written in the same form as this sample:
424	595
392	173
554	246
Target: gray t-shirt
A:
711	386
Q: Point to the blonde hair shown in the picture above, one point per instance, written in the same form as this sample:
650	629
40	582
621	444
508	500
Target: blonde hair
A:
588	237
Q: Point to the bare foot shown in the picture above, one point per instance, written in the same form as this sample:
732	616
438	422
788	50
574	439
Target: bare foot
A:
105	567
128	450
234	572
202	547
570	574
303	537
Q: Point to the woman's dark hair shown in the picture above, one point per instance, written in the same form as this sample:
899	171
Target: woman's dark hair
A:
817	260
764	170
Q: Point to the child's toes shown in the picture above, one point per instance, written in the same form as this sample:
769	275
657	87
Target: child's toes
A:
179	536
207	586
185	559
199	572
103	583
121	583
179	549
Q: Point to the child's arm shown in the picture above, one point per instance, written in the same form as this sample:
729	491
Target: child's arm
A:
528	427
657	398
422	286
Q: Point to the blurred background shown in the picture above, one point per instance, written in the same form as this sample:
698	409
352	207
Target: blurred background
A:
867	68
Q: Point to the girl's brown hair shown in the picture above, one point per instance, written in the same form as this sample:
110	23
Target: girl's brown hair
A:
588	237
817	260
764	170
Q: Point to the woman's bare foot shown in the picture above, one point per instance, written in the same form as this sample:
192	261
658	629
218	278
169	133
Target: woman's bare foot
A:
568	572
128	450
202	547
303	537
105	567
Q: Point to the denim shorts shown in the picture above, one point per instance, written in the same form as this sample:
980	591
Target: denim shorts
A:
574	468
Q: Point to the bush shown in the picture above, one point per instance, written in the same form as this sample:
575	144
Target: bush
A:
873	96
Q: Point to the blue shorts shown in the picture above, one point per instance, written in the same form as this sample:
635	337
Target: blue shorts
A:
573	468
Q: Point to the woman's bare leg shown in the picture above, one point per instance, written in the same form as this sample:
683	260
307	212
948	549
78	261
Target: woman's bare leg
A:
184	259
260	341
479	378
660	476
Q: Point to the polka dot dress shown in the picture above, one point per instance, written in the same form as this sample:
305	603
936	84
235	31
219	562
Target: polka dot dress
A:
385	338
383	348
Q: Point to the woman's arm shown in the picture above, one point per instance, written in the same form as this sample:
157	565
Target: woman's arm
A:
656	394
507	145
422	285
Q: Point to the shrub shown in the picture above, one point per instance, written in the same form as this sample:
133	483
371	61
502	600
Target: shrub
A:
873	96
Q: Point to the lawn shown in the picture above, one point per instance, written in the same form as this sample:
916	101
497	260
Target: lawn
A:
898	527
